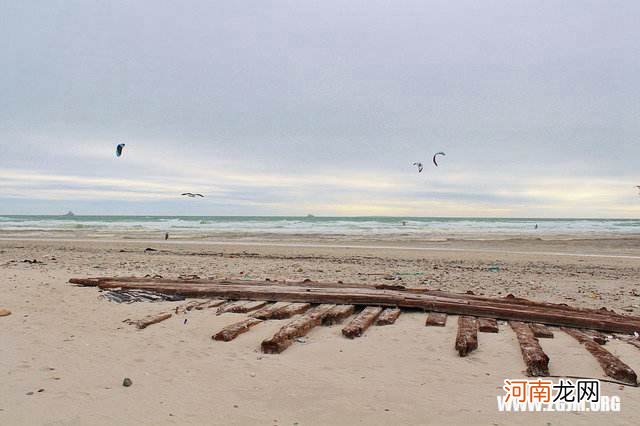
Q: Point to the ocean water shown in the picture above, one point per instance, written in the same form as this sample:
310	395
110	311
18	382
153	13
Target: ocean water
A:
347	226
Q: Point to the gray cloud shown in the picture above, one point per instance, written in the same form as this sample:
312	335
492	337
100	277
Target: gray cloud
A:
263	103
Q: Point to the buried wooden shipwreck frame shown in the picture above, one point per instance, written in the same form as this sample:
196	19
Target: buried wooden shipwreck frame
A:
309	304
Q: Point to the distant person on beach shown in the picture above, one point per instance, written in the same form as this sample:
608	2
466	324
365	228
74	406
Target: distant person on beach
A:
166	236
535	227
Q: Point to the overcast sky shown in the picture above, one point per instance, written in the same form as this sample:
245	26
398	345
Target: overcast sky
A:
320	107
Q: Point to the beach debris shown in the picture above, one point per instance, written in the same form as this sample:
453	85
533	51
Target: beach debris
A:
33	262
419	165
210	304
338	314
435	155
298	327
127	382
131	296
436	319
4	312
488	325
149	249
119	149
611	365
191	195
541	331
467	337
149	320
185	321
300	340
388	316
507	308
357	326
494	268
232	331
534	357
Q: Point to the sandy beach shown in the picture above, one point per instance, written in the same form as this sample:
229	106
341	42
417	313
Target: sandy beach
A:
74	346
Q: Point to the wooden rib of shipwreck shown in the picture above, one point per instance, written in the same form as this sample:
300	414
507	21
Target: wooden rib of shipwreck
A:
361	322
514	309
296	328
337	314
534	357
290	310
467	337
611	364
541	331
268	311
232	331
149	320
488	325
388	316
436	319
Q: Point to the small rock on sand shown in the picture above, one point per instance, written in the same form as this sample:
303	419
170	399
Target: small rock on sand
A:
4	312
127	382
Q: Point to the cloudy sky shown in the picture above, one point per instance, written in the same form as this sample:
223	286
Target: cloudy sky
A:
303	107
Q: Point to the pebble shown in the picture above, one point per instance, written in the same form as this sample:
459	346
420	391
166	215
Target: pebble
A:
127	382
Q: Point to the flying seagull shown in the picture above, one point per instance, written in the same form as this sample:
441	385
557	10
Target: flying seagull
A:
435	155
419	167
119	149
192	195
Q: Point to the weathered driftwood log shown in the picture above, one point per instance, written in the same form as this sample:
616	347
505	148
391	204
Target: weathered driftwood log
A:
290	310
232	331
149	320
534	357
541	331
190	306
467	338
388	316
361	322
296	328
488	325
506	308
611	365
213	303
337	314
268	311
436	319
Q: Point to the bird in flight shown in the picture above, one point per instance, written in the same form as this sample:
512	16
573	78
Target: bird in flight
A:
192	195
419	167
435	155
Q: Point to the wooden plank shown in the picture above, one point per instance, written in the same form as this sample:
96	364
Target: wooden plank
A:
338	314
268	311
541	331
467	337
388	316
536	360
506	309
436	319
488	325
149	320
611	365
232	331
295	328
290	310
361	322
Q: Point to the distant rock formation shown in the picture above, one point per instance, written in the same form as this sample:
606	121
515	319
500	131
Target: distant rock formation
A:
69	213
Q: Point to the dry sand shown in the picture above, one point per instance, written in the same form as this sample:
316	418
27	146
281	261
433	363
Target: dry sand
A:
67	341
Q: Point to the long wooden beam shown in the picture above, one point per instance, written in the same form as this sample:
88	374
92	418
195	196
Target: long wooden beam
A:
450	304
